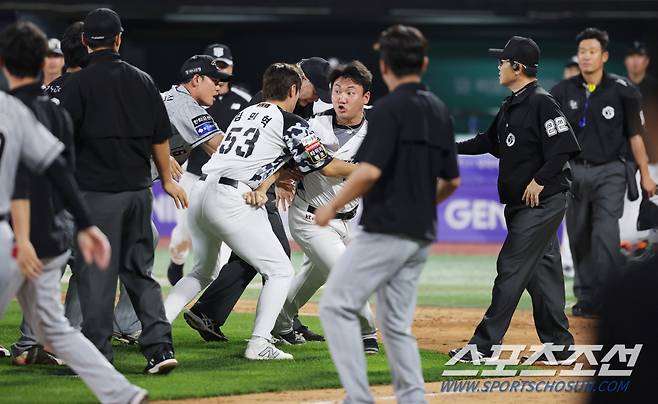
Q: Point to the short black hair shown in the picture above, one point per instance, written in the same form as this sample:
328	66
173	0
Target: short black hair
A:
402	48
355	71
72	48
100	43
23	47
594	33
277	80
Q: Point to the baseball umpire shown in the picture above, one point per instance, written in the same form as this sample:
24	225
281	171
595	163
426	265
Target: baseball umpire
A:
605	112
409	146
534	143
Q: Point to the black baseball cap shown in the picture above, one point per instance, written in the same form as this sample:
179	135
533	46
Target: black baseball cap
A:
519	49
54	47
202	65
317	71
637	48
220	52
102	23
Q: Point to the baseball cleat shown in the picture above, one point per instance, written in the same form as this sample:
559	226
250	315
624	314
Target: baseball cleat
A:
130	338
468	358
36	356
204	325
291	338
262	349
161	363
174	273
370	345
308	334
4	352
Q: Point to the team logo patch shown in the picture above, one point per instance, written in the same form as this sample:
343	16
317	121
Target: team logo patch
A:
315	150
608	112
573	104
510	140
204	125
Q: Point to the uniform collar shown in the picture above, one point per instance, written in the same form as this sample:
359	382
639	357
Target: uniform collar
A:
580	82
103	55
522	94
410	87
33	90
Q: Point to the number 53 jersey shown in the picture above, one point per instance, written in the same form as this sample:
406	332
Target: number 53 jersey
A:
261	139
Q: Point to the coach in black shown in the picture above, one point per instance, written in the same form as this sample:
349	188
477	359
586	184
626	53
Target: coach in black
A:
534	143
605	112
120	120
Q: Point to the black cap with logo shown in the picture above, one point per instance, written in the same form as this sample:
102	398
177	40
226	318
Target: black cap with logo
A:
317	71
101	24
520	49
202	65
637	48
220	52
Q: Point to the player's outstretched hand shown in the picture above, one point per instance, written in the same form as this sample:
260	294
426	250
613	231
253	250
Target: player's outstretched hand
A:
255	198
290	174
176	192
176	169
531	194
27	260
285	193
94	247
324	214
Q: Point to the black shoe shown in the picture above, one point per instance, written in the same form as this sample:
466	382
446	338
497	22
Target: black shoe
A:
585	310
161	363
174	273
370	346
292	338
468	358
207	328
308	334
4	352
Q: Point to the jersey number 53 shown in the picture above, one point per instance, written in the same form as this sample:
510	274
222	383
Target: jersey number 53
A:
248	140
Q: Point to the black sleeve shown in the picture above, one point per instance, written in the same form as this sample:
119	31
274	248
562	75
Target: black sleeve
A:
483	142
22	184
71	100
557	138
380	142
450	167
62	179
633	115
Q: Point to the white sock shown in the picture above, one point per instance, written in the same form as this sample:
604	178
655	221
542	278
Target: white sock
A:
180	295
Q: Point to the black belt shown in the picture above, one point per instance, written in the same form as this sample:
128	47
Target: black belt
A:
342	216
587	163
222	180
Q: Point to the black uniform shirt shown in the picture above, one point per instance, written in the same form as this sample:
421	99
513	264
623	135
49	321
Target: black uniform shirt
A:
410	138
118	115
48	224
604	120
223	111
532	139
649	89
55	87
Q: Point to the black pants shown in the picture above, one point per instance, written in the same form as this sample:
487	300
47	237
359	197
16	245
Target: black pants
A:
593	225
529	259
220	297
125	218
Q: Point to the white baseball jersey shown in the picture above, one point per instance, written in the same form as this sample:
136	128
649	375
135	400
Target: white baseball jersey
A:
24	139
317	190
190	122
260	140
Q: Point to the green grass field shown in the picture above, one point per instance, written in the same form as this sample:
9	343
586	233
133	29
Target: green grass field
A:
212	369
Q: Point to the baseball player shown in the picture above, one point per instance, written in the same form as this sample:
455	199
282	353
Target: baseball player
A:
261	139
341	130
409	146
226	105
23	139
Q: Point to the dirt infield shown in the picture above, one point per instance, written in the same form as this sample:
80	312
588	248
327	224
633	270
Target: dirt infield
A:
437	329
